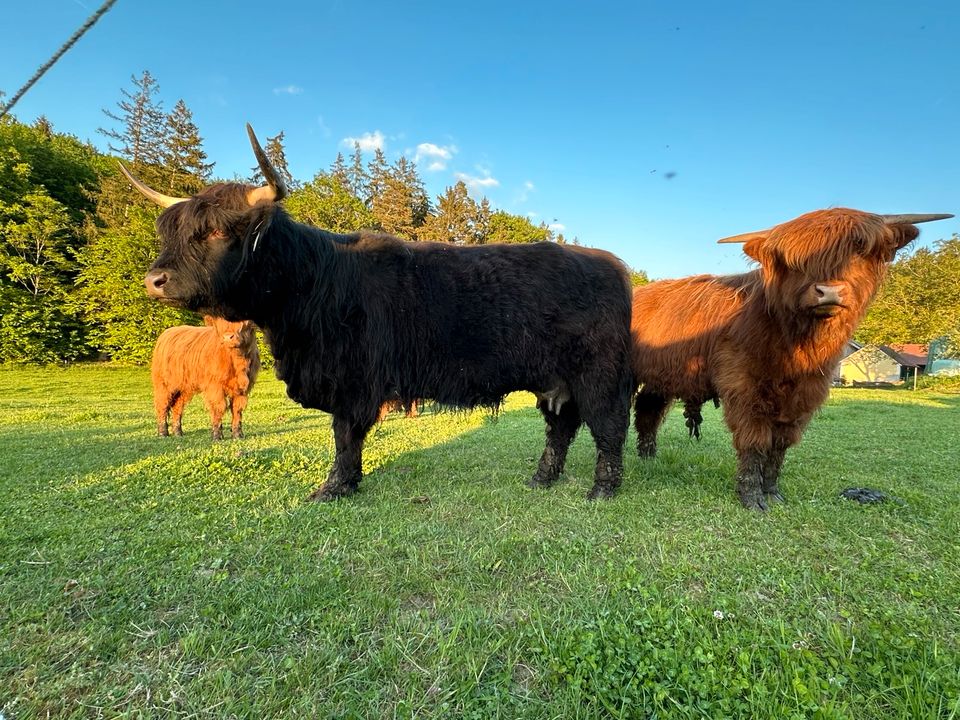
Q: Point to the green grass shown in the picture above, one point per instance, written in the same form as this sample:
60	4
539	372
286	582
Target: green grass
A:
174	577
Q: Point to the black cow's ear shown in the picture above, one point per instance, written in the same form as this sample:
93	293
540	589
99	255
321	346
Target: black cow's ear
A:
259	221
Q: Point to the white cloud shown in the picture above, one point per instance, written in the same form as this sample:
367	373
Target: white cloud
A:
438	155
524	193
557	227
288	90
368	141
323	126
477	183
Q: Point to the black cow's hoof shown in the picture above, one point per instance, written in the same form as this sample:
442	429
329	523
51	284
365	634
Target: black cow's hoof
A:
540	481
601	492
754	502
327	493
774	496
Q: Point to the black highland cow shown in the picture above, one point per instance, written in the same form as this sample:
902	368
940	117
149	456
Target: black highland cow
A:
355	320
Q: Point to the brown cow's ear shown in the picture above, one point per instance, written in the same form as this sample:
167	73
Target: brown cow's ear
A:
754	248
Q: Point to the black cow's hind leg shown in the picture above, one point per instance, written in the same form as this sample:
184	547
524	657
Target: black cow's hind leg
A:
649	411
561	429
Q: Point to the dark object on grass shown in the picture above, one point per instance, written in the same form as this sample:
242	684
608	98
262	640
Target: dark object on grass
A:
865	496
356	320
765	343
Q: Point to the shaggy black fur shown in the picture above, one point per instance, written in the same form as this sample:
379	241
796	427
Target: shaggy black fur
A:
354	320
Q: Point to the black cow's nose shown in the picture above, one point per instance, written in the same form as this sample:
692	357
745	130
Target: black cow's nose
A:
154	282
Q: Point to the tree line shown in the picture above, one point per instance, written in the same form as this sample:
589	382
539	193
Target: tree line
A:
75	240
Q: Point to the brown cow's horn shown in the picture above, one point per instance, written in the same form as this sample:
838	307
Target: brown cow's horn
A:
745	237
913	219
274	190
160	199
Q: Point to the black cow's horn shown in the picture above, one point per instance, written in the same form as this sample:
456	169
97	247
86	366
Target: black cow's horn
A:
160	199
274	190
913	219
743	237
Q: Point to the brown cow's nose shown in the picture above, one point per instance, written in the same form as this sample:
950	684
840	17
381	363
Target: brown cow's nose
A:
828	295
154	282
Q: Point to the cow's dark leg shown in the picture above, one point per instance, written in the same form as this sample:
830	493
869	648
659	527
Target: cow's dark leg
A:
162	402
561	430
770	470
649	411
694	417
344	477
750	479
605	409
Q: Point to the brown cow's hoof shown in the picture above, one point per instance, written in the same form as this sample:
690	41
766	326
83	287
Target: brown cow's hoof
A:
754	502
646	448
237	434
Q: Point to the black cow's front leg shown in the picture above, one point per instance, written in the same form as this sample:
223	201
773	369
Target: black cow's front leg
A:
344	477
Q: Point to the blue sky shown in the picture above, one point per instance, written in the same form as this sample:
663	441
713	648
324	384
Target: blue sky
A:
648	129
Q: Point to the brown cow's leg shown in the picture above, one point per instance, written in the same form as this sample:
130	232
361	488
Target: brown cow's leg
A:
412	410
216	405
770	470
237	406
344	477
561	429
750	479
162	402
649	412
176	412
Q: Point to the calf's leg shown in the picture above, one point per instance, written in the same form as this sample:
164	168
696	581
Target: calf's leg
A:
237	406
216	405
176	412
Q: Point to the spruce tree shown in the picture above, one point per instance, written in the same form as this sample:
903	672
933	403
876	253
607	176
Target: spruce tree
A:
186	167
278	158
339	171
357	175
142	123
454	219
377	172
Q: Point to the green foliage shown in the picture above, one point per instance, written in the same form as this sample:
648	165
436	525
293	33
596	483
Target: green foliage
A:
508	228
325	202
183	157
126	323
638	278
920	300
43	204
456	218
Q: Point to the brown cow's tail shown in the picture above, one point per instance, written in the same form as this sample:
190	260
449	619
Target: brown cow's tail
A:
691	411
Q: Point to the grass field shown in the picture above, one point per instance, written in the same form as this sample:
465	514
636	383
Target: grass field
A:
174	577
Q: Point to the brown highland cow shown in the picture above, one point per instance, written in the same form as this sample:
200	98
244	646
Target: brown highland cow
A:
219	361
764	343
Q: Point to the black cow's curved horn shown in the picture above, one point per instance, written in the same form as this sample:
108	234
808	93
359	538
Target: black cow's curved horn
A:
913	219
744	237
274	190
160	199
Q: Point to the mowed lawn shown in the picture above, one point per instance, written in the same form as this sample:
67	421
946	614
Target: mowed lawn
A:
174	577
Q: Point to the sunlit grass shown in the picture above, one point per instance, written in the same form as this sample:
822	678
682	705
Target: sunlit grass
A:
156	577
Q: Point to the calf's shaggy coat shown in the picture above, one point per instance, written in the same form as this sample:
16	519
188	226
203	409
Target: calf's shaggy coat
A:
356	320
220	361
765	342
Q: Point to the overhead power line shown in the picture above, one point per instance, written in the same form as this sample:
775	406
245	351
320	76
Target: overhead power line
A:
91	21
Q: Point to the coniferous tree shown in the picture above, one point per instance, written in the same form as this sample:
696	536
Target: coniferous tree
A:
357	175
339	171
278	158
377	172
481	230
186	167
142	123
326	203
454	219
